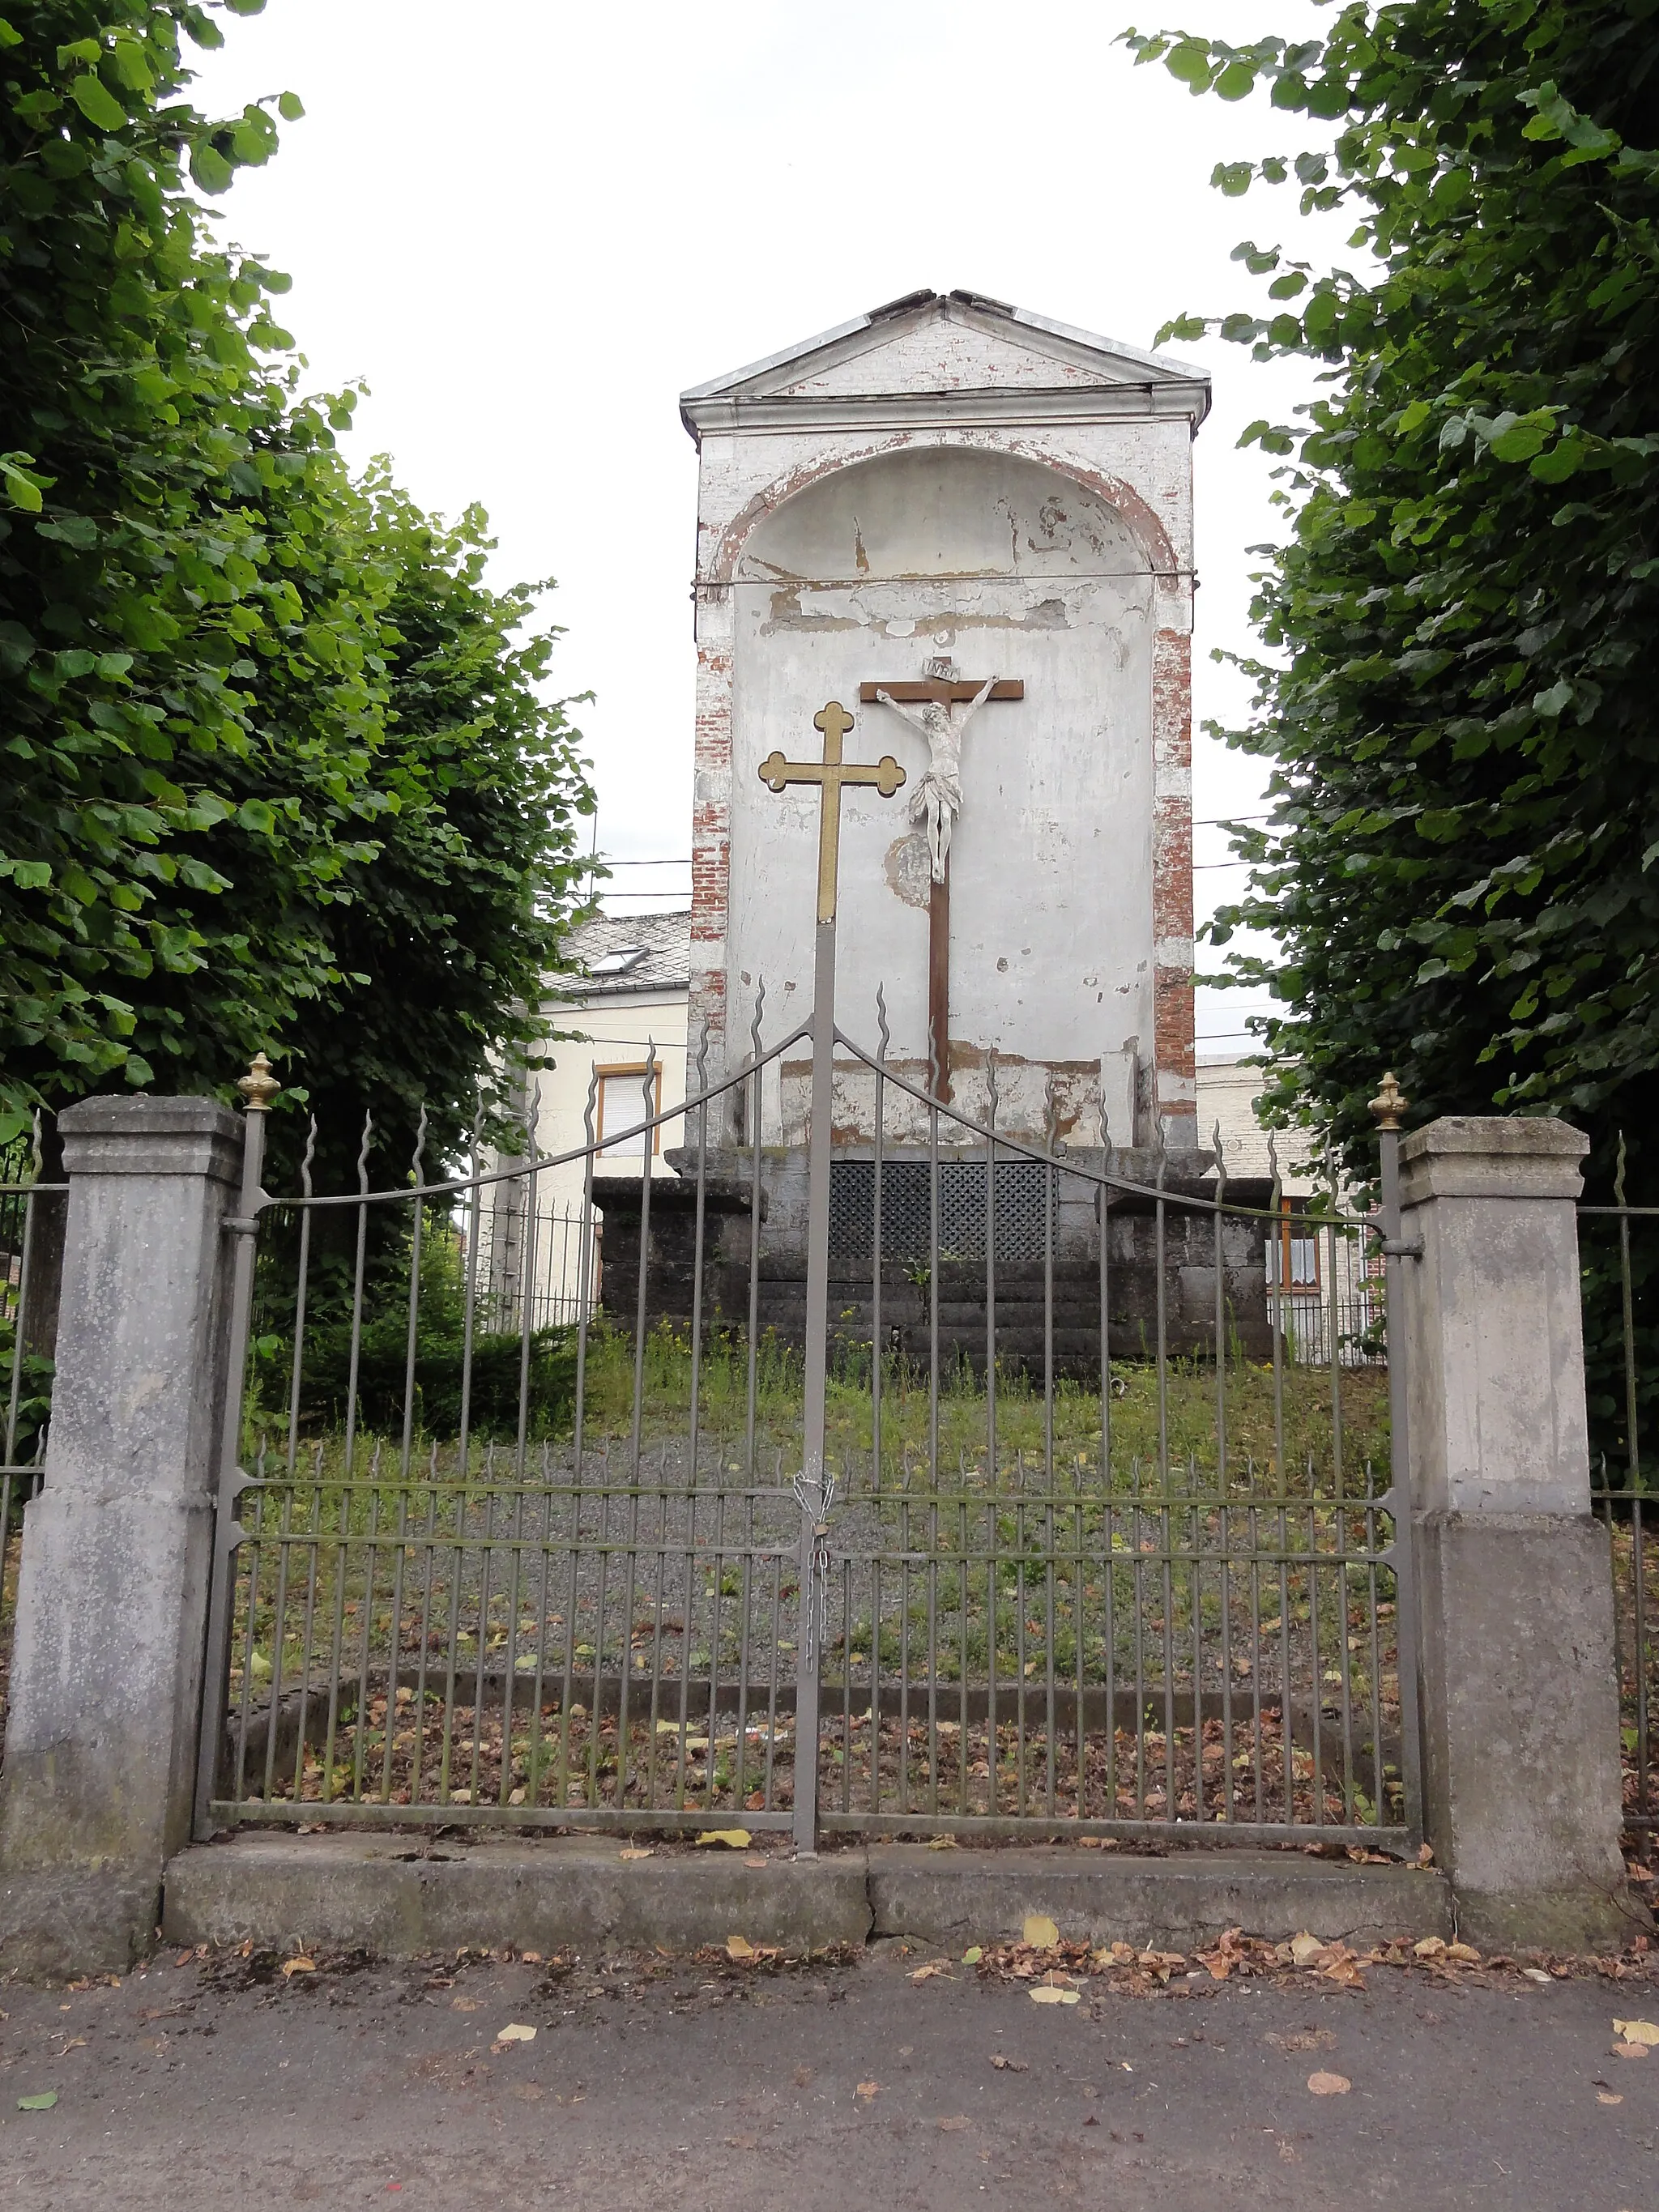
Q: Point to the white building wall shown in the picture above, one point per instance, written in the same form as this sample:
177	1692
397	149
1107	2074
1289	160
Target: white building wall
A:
615	1030
832	551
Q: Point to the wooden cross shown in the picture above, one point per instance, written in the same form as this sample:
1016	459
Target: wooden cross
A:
950	692
830	774
947	691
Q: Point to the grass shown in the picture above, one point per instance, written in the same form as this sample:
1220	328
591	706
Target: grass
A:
1291	1430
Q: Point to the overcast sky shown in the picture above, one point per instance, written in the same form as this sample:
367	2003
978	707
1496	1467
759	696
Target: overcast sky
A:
528	225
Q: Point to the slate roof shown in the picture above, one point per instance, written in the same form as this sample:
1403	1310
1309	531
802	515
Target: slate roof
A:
663	942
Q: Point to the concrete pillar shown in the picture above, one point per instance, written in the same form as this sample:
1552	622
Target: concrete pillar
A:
112	1606
1521	1783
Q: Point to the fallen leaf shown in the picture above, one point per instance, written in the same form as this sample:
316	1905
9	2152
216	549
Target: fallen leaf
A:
184	1958
972	1955
298	1966
1047	1994
1537	1974
734	1839
463	2004
1629	2050
527	2090
927	1973
757	1859
74	2042
42	2103
739	1947
1009	2065
638	1851
868	2089
954	2125
1305	1948
531	1957
1432	1947
1607	2097
744	2142
1465	1952
516	2031
1636	2030
1041	1932
942	1844
1329	2085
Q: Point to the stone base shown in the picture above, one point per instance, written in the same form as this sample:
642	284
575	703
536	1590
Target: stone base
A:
399	1896
1523	1789
56	1926
1027	1291
961	1897
1573	1923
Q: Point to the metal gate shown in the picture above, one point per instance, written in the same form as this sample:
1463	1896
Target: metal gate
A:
908	1521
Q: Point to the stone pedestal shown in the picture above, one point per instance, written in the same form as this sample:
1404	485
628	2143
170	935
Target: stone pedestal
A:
1190	1258
112	1609
1521	1784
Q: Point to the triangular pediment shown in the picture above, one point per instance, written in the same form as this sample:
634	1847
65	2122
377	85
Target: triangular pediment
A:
941	345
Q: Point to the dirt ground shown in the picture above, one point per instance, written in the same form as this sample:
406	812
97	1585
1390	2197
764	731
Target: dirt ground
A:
225	2082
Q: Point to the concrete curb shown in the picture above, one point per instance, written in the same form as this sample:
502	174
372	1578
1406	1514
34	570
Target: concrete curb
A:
378	1894
949	1897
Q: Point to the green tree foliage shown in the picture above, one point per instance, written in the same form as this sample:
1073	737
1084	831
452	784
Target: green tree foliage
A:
1462	660
278	770
498	1367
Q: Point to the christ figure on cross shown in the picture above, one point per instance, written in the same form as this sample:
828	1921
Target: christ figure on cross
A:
941	706
937	800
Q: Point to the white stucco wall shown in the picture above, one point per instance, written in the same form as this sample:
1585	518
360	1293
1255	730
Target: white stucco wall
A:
954	482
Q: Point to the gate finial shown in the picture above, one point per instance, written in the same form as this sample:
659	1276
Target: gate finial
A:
258	1086
1389	1103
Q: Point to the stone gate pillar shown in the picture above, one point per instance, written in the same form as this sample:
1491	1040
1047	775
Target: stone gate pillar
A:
1522	1781
112	1606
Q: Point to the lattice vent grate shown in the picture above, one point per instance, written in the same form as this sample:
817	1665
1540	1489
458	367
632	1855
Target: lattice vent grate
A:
907	1209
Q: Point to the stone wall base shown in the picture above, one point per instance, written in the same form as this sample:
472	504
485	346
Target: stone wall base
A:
56	1925
1522	1782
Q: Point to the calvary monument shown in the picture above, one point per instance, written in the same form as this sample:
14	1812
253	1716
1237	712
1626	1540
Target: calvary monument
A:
944	614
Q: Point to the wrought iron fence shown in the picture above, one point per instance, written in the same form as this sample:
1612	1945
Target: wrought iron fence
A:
1619	1255
544	1272
883	1528
25	1225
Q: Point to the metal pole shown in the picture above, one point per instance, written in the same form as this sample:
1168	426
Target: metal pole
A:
814	1491
259	1087
1388	1106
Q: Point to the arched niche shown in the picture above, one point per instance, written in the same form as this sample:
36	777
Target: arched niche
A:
942	513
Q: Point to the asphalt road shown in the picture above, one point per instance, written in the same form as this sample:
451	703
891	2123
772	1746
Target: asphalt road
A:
678	2087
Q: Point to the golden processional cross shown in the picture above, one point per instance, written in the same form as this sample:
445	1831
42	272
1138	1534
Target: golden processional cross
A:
831	775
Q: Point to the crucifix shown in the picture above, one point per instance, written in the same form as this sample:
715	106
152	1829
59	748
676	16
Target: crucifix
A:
932	706
831	775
